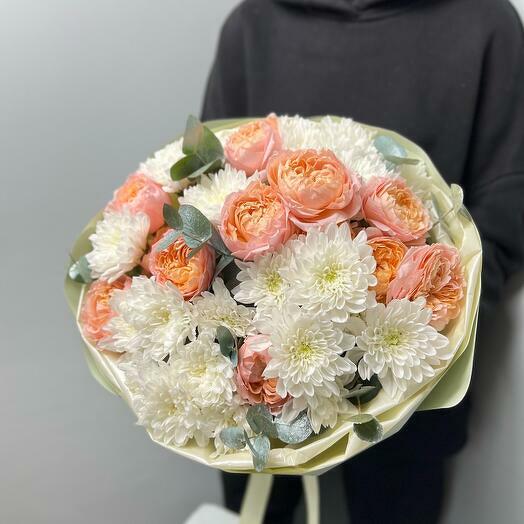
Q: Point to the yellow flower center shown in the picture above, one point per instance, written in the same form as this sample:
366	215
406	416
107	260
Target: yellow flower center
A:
393	338
273	282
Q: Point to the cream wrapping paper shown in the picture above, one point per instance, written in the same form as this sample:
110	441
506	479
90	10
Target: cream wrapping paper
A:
333	446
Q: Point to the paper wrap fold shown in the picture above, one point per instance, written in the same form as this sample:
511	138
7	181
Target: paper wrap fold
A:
333	446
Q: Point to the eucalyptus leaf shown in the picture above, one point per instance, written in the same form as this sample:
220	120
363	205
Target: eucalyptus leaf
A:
195	250
361	418
370	430
234	357
224	261
261	421
226	341
192	135
208	167
203	151
233	437
186	166
398	160
218	244
80	271
369	394
167	240
196	227
259	446
173	218
209	148
389	146
360	391
295	432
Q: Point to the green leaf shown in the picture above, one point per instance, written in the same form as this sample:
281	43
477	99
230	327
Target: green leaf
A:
167	240
80	271
195	250
199	140
389	146
196	227
203	151
173	218
259	447
370	430
364	394
261	421
185	167
298	431
397	160
226	341
392	151
218	244
361	418
233	437
224	261
209	147
192	135
209	167
360	391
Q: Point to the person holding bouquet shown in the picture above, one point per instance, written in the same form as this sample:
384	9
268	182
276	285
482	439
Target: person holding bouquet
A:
447	74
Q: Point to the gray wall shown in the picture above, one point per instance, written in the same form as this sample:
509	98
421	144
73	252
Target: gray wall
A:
87	90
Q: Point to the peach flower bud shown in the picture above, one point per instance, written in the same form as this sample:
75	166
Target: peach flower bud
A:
96	312
433	272
253	357
190	275
315	186
388	253
250	147
254	221
140	194
391	206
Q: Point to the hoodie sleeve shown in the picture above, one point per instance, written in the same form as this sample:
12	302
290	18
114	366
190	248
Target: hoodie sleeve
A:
494	178
226	93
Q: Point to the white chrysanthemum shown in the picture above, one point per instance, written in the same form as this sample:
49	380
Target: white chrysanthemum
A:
331	273
158	167
150	317
399	345
261	282
321	411
306	354
189	397
351	142
220	309
118	244
210	193
123	338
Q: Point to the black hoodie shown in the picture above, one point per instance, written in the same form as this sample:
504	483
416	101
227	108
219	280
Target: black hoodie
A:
448	74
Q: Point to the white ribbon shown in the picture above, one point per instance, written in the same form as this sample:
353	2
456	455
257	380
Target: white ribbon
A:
257	495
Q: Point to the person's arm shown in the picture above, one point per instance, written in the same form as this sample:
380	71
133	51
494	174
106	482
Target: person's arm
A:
494	187
226	95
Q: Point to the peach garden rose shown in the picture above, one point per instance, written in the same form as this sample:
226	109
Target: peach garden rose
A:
251	145
96	311
388	253
391	206
140	194
190	275
434	272
254	221
252	386
315	186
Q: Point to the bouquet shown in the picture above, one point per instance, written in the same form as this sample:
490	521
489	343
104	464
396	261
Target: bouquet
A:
279	294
